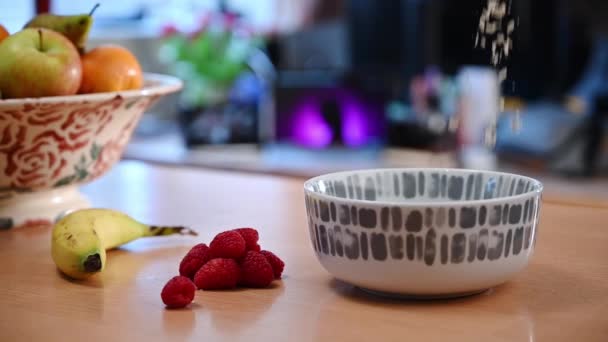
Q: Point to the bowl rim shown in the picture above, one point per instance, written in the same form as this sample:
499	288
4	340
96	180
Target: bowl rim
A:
161	84
536	191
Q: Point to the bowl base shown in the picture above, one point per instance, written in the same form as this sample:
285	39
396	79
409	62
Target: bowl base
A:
39	207
412	296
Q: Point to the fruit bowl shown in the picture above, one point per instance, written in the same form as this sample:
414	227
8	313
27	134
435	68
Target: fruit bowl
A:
423	232
50	146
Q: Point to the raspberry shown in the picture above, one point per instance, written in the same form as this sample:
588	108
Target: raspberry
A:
229	244
194	260
251	237
277	264
218	274
178	292
256	271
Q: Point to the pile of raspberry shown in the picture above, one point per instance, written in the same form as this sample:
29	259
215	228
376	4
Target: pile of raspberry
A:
233	258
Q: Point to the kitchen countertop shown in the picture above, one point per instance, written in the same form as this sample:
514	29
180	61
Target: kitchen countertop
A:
287	160
561	296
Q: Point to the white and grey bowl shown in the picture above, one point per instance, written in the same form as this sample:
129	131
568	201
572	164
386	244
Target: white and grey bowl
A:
423	232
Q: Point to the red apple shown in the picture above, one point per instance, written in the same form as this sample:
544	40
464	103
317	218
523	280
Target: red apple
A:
3	33
37	62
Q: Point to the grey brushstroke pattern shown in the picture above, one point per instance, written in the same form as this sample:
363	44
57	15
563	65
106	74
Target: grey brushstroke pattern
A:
364	245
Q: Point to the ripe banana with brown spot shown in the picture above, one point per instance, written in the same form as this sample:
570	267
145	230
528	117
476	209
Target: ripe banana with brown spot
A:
81	238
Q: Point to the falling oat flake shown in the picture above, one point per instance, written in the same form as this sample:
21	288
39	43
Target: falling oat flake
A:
496	27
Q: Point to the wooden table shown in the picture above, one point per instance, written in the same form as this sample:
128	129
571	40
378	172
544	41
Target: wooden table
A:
561	296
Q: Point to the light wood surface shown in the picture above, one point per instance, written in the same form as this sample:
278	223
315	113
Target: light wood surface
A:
291	161
561	296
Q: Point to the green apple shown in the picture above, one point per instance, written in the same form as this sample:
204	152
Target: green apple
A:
37	62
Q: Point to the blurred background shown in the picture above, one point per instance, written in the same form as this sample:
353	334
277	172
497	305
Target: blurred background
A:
302	87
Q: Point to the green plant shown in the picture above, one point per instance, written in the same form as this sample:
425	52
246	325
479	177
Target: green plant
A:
209	60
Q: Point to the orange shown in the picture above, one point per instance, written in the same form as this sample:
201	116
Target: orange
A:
110	68
3	33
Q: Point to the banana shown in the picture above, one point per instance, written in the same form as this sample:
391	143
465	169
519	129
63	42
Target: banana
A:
81	238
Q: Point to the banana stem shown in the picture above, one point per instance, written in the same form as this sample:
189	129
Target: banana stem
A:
161	231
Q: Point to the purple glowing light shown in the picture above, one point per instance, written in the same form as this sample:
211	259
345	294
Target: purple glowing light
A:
355	123
308	128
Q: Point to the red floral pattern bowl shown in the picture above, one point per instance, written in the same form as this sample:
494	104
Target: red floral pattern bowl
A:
51	145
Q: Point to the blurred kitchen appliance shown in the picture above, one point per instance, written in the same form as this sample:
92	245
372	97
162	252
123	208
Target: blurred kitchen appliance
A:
316	111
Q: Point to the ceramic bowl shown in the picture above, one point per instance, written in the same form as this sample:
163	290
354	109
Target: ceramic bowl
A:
51	145
423	232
